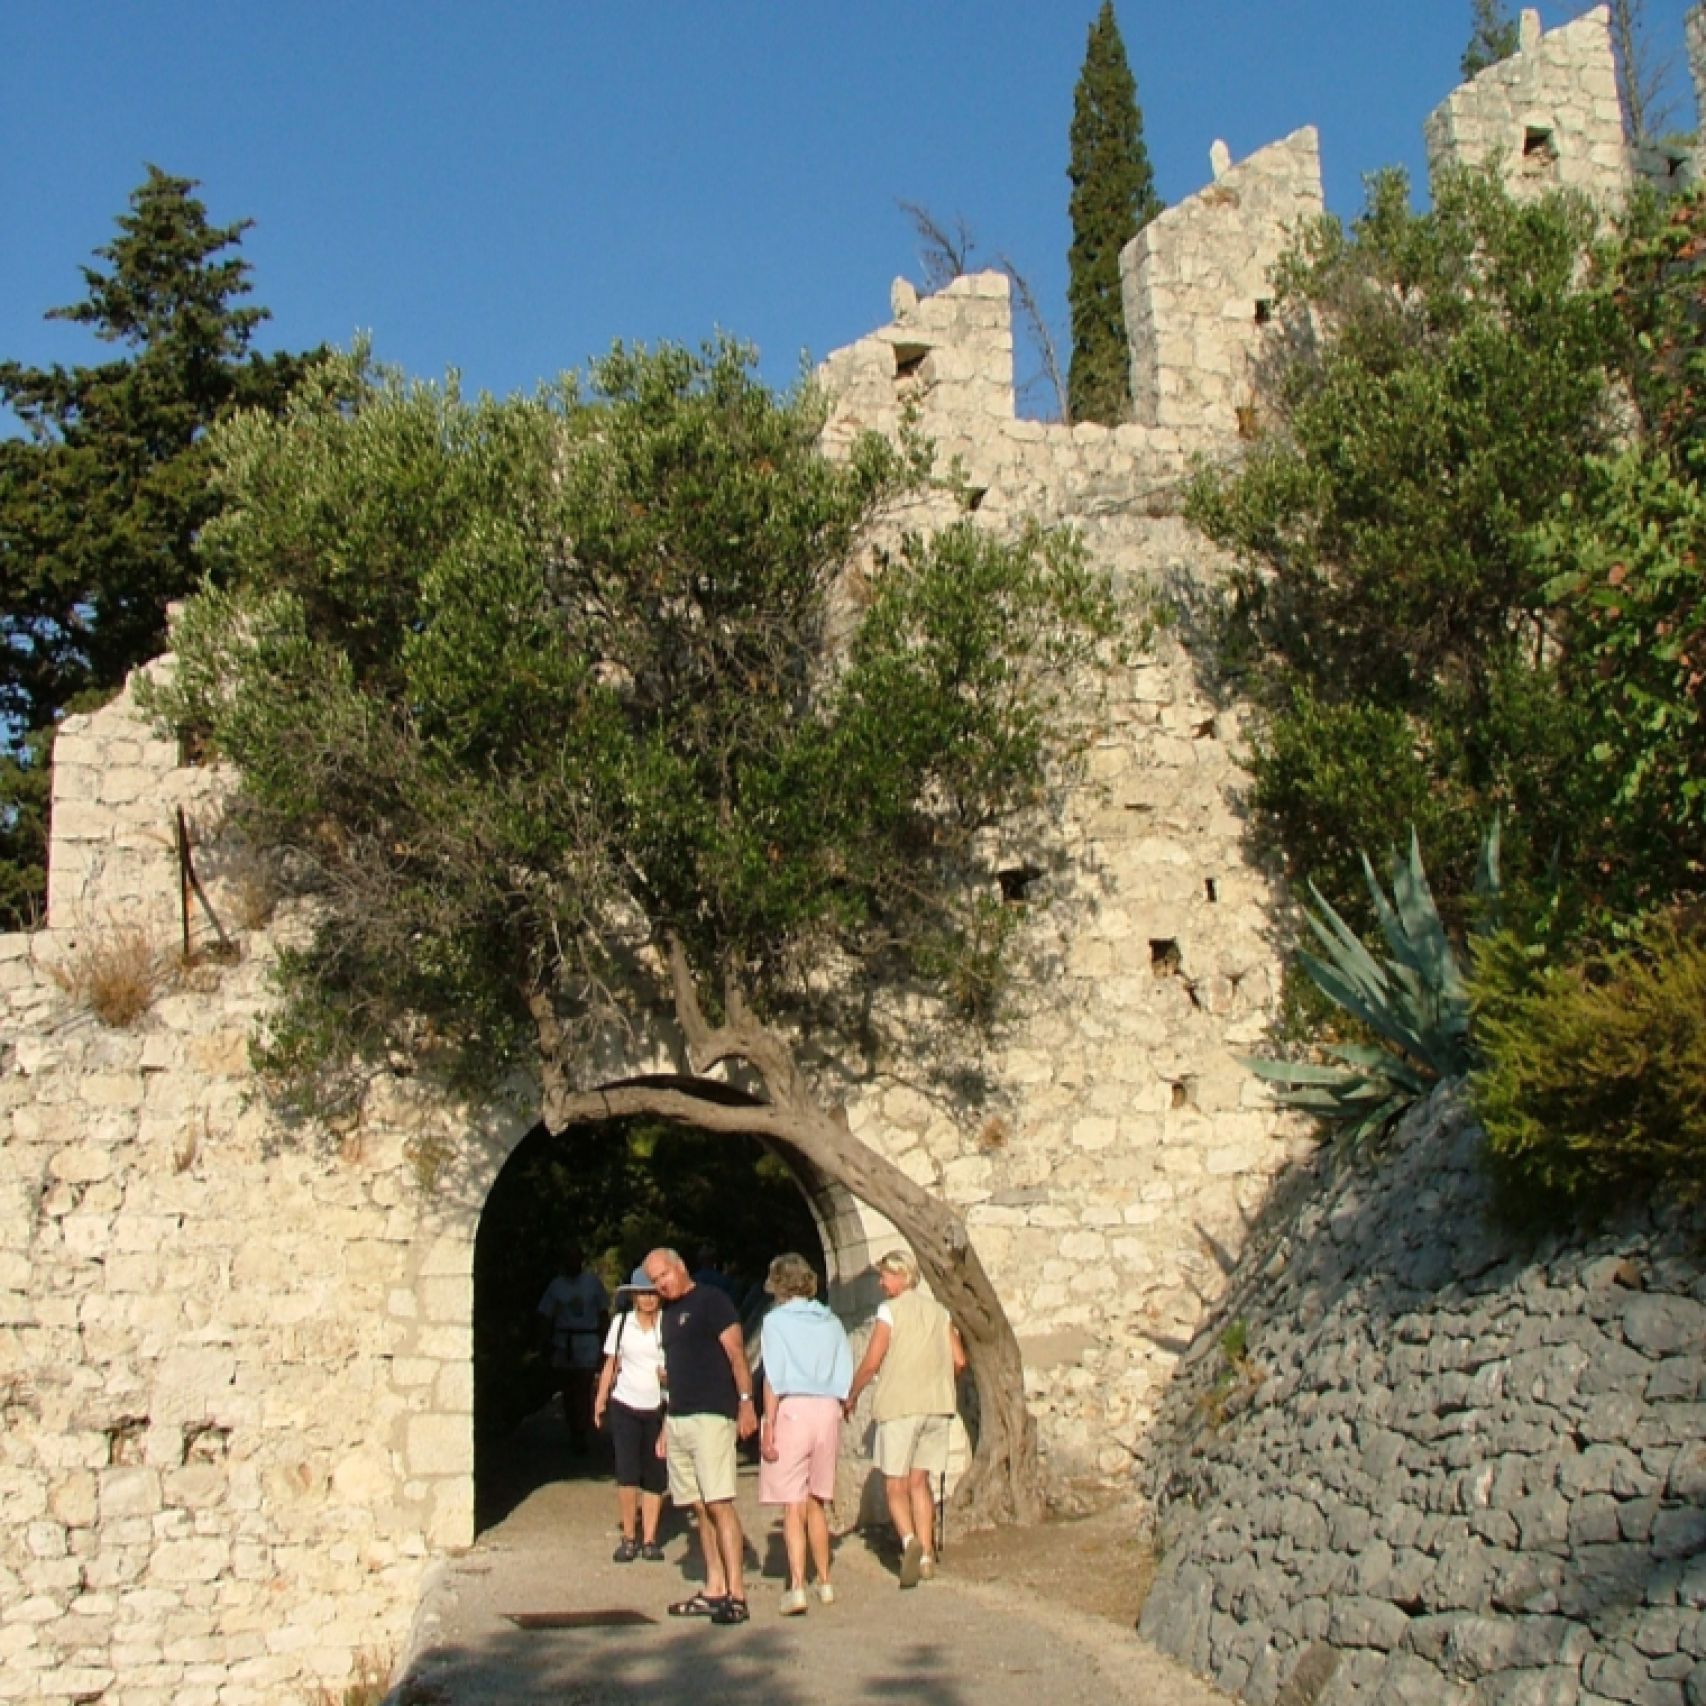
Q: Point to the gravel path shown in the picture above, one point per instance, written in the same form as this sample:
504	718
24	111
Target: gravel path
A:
950	1642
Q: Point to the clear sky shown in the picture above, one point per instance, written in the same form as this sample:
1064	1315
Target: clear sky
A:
505	186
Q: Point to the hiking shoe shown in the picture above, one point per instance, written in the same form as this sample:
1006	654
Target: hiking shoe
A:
825	1594
911	1561
927	1568
793	1602
627	1552
652	1552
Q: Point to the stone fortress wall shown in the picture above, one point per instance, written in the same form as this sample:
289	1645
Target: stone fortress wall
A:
1423	1460
235	1366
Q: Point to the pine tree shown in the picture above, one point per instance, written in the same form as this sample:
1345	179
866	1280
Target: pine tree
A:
1113	198
102	500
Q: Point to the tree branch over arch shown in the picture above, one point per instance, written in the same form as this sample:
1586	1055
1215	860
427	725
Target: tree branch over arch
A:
580	726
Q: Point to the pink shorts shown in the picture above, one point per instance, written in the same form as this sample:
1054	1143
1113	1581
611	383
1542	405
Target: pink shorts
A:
808	1439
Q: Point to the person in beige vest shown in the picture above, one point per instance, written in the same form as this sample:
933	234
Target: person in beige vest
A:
916	1351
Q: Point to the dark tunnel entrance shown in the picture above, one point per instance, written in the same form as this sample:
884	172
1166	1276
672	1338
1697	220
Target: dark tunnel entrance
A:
617	1190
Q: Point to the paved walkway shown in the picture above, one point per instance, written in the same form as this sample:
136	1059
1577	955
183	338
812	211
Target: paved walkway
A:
946	1643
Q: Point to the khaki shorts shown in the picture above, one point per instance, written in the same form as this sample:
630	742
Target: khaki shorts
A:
906	1443
701	1459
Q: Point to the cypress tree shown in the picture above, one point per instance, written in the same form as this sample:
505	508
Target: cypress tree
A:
1113	198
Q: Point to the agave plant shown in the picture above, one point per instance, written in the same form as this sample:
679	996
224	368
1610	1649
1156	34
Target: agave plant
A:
1416	1002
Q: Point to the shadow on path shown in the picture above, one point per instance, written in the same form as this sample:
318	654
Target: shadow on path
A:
949	1643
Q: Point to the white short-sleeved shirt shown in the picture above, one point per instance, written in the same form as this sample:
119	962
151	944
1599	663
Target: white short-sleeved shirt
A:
639	1373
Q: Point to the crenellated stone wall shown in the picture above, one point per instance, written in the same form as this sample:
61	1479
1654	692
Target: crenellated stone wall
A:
1549	117
1197	293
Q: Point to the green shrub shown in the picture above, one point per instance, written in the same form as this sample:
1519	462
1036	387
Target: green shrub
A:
1593	1086
1333	778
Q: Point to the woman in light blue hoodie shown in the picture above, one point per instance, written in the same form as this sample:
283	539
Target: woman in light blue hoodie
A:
808	1368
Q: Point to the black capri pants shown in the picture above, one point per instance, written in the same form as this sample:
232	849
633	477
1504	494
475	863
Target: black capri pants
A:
634	1434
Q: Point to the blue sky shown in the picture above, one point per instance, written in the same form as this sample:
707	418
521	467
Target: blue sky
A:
504	186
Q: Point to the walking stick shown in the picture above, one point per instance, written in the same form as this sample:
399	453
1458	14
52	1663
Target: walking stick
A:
942	1514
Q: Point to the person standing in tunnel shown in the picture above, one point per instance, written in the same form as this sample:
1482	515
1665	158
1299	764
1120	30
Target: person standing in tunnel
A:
630	1401
708	1404
573	1313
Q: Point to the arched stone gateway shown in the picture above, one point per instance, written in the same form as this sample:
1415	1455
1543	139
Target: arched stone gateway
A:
438	1304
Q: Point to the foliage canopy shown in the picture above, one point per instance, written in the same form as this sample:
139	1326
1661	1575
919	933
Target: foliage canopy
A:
1439	475
1494	35
1594	1082
526	688
1471	540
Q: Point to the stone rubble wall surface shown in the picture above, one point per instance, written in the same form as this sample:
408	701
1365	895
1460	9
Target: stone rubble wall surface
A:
1549	117
1196	286
1128	1146
1694	39
1437	1462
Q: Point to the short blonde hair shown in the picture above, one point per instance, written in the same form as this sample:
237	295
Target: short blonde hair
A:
791	1276
901	1262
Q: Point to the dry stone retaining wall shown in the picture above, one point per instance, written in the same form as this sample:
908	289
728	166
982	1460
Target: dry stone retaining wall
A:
1437	1462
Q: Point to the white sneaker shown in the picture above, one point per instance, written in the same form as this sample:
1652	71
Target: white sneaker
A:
794	1602
911	1561
926	1568
825	1594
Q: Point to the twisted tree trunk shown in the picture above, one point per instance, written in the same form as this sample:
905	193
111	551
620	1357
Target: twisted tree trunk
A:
1004	1482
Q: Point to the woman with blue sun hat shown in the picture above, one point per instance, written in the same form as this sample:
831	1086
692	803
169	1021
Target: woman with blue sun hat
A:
630	1396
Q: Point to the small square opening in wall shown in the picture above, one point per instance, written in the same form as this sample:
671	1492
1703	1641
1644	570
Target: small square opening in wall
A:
1164	956
1016	883
1264	310
1211	890
1538	144
1182	1093
909	359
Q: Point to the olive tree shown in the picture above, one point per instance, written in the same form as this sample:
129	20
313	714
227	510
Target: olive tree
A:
579	710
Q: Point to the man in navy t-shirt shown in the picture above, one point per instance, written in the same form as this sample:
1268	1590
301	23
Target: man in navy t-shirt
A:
709	1404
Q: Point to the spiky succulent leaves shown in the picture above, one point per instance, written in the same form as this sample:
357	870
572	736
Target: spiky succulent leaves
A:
1361	1097
1416	1002
1424	967
1489	886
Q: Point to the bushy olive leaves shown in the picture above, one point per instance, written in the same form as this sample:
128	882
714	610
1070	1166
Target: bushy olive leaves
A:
524	687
